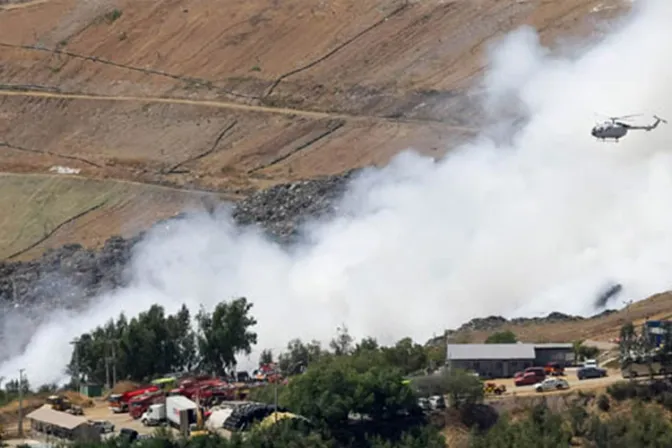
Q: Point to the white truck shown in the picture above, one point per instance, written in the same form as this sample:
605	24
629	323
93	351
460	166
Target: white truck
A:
180	411
154	415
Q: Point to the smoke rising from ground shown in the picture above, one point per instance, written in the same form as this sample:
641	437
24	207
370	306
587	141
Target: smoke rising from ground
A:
541	224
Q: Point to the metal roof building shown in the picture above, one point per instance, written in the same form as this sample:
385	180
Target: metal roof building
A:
47	421
503	360
490	351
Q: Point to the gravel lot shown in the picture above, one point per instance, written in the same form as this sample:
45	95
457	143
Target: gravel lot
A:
570	376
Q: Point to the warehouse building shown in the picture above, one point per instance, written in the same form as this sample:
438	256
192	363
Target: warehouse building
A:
48	422
560	353
504	360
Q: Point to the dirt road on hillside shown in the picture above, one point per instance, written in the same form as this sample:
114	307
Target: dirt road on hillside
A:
222	195
221	105
574	384
23	5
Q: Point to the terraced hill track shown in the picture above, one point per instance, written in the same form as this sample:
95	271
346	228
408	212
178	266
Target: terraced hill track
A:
194	95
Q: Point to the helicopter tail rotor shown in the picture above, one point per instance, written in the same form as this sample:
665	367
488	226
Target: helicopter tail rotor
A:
662	120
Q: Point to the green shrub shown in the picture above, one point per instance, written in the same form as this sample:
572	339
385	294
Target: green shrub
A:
603	403
622	390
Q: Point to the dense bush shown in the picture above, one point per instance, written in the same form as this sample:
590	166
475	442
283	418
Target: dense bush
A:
603	403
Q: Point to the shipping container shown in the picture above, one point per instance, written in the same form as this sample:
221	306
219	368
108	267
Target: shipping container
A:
180	410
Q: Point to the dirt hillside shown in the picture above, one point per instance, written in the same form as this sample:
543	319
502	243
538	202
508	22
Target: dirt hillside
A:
195	95
602	328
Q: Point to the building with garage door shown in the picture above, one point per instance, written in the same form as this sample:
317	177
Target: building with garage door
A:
552	352
504	360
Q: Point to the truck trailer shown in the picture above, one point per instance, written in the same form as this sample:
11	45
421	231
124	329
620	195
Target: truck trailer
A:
180	412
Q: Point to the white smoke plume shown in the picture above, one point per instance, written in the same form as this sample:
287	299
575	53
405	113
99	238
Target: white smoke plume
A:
538	225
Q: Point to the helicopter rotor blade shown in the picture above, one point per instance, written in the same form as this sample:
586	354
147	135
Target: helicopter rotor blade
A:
625	117
622	117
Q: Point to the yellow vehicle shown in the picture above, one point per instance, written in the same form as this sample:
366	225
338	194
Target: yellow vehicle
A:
493	388
60	403
167	383
198	429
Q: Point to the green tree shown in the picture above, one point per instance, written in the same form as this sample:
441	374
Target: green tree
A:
406	355
183	340
299	356
334	387
266	357
502	337
462	388
342	343
366	345
225	333
583	352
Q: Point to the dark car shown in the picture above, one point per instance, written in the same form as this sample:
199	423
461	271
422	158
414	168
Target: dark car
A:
590	372
130	434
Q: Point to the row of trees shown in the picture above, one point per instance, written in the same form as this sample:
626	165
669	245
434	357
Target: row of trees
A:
408	356
154	343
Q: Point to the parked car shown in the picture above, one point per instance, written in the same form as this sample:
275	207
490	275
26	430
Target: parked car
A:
590	372
437	402
104	425
424	403
127	433
527	379
531	375
589	363
551	384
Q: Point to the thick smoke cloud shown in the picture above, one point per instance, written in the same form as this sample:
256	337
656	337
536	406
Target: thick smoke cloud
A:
535	225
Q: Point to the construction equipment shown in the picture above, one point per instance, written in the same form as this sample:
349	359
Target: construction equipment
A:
198	429
62	404
554	369
494	388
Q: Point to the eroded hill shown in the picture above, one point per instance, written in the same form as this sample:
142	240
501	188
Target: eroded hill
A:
236	97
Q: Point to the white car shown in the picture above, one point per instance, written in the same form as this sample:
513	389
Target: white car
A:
104	425
437	402
551	384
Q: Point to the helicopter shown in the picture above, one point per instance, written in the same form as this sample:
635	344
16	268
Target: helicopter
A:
616	129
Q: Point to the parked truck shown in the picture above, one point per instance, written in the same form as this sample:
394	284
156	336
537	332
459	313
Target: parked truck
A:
138	405
154	415
120	402
180	412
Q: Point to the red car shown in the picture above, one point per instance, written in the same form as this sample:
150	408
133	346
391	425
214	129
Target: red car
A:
531	375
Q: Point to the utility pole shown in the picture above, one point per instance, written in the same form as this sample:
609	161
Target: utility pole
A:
21	402
107	372
114	363
75	343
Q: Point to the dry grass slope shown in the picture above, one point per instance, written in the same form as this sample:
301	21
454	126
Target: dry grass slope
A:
41	211
601	329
